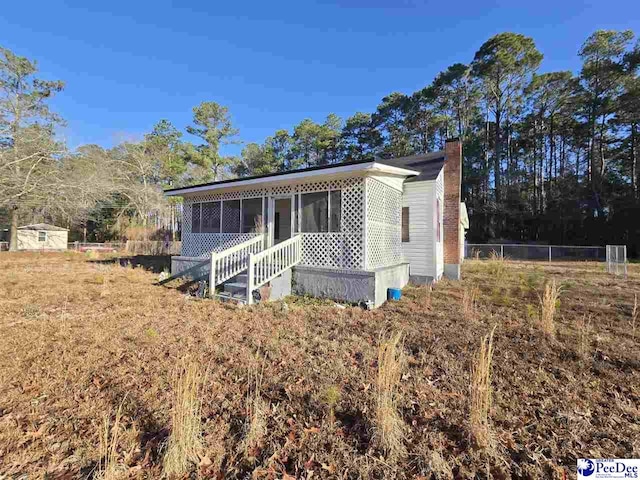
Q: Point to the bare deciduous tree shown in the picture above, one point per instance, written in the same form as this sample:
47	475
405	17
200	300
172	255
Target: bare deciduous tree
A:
28	151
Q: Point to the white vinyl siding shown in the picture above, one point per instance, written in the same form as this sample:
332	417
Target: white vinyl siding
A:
418	251
422	251
32	240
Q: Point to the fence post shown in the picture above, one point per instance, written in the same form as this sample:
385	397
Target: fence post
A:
250	267
549	253
212	275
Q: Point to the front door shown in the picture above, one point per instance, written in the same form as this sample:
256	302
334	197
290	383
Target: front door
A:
281	220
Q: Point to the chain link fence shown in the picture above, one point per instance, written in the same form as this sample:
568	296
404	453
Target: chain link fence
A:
547	253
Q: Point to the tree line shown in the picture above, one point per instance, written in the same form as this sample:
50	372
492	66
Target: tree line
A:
549	157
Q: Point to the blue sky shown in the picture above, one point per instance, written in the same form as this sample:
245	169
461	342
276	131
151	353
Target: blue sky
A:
128	64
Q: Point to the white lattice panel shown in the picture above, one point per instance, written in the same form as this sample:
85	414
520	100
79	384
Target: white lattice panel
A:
342	249
332	250
202	244
384	234
281	190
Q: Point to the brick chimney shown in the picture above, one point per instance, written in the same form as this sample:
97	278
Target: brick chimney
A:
451	213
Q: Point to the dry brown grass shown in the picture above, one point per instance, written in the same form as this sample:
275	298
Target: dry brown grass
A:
470	303
481	392
635	312
584	339
184	447
69	353
429	291
494	256
497	268
390	429
549	302
257	415
109	467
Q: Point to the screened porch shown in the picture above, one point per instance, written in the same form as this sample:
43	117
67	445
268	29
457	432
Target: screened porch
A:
345	222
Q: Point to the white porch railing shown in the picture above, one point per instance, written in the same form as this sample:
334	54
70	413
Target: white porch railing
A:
230	262
265	266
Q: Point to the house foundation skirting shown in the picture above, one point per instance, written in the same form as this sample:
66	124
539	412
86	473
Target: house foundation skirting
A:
353	286
421	279
452	271
197	268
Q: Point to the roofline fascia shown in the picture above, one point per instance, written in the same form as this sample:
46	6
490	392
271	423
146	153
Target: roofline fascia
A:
288	177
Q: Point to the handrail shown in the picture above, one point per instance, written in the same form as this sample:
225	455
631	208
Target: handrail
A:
230	262
265	266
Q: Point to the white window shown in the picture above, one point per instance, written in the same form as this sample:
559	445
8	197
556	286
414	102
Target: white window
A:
405	224
42	236
439	222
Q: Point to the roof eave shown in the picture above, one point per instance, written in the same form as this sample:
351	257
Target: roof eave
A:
338	170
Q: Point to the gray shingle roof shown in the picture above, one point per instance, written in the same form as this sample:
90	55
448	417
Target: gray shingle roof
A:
428	164
42	226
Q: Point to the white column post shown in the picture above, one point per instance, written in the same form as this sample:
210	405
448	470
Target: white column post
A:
364	237
212	275
250	268
502	251
549	253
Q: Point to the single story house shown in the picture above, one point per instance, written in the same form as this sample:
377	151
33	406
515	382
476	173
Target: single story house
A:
42	236
345	231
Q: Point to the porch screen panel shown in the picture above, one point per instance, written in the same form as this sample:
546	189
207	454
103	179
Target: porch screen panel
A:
195	218
335	214
231	216
315	212
211	217
296	208
252	215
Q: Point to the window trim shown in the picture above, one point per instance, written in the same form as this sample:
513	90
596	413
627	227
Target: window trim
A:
40	232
